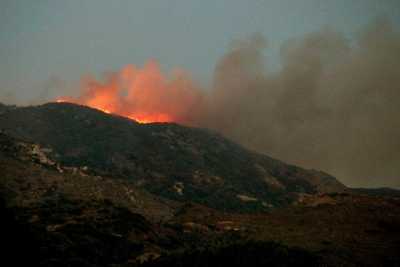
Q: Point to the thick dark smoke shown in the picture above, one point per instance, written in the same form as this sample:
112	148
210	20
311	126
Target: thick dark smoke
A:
334	105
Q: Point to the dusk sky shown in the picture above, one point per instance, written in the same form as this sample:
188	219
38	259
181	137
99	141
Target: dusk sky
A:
43	40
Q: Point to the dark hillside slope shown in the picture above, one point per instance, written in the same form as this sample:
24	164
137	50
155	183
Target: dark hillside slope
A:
177	162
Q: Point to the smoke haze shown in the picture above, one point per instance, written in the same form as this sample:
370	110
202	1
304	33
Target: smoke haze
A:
334	105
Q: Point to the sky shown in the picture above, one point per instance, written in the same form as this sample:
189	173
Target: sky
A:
43	41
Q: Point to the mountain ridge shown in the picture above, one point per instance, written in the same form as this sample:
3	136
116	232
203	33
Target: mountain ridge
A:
177	162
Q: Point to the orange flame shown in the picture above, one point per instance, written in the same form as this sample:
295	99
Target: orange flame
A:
145	95
151	118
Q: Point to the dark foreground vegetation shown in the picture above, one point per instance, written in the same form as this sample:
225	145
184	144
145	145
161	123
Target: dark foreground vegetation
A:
104	242
239	255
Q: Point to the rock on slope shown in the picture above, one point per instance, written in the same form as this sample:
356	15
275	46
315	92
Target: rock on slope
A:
29	177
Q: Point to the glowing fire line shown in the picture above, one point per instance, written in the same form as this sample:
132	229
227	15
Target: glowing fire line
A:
144	94
143	119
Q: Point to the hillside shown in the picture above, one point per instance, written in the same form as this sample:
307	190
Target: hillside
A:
55	215
166	159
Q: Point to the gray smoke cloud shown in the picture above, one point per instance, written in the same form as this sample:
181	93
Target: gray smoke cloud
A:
334	105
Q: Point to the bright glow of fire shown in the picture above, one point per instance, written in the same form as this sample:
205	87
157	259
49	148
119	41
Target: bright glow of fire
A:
143	94
151	118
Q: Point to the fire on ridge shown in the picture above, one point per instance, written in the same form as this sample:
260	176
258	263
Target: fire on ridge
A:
145	94
150	118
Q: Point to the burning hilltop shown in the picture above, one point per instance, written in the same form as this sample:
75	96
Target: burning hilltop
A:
142	94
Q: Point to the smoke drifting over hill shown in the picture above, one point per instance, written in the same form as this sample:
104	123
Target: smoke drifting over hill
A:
334	105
